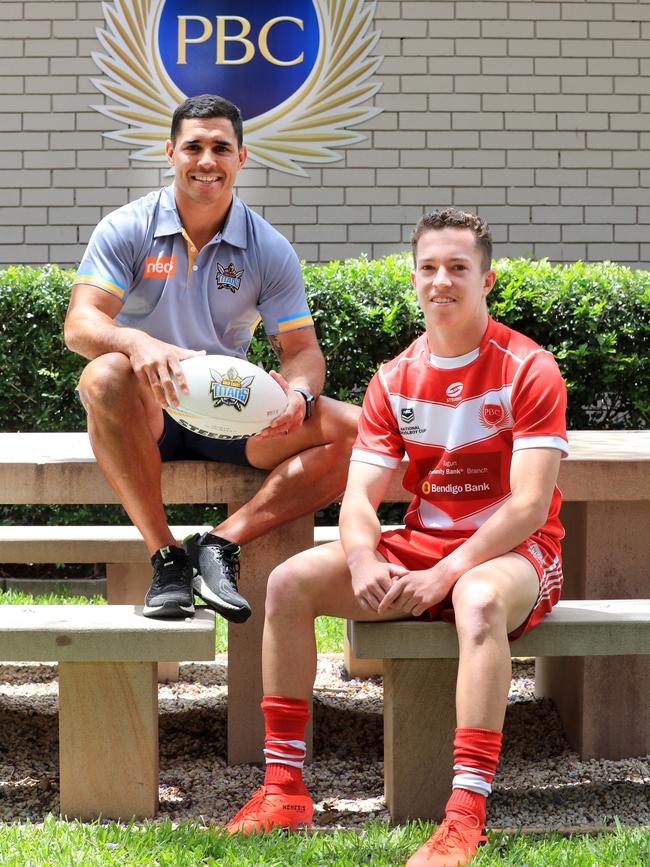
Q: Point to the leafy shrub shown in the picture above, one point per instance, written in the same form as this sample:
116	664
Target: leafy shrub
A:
595	318
365	312
39	373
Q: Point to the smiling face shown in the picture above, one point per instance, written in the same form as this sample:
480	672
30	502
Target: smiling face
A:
452	286
206	158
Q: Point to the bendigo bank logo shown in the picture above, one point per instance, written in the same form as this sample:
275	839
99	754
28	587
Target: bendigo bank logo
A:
297	69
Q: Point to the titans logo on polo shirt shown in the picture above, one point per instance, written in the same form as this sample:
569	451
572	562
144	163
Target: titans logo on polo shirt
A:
139	254
228	277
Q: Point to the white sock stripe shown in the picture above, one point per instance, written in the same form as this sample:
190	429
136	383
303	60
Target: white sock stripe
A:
274	754
270	761
299	745
472	782
278	755
473	770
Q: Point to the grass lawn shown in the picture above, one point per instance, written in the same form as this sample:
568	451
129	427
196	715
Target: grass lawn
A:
68	843
59	843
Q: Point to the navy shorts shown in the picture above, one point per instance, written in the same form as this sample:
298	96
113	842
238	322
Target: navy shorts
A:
179	444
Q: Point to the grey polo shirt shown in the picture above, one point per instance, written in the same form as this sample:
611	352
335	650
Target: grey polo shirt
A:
212	299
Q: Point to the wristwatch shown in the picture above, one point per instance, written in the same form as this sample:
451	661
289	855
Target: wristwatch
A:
309	400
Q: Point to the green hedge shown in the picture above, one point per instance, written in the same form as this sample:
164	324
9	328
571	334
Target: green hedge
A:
595	318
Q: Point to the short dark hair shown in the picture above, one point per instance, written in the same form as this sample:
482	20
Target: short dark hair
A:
207	105
452	217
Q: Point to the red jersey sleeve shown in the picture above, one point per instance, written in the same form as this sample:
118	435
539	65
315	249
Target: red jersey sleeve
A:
378	440
539	404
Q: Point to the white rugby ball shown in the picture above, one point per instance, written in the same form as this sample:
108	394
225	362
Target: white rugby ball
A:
228	397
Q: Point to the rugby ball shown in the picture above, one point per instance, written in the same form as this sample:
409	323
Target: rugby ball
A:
228	397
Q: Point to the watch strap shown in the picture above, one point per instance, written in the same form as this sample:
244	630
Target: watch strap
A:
309	400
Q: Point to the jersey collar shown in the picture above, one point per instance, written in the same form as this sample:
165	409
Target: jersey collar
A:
462	360
168	221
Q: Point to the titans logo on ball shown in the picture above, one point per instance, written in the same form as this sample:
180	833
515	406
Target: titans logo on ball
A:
298	69
230	389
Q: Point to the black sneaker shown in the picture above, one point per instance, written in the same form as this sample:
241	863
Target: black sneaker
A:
216	570
170	594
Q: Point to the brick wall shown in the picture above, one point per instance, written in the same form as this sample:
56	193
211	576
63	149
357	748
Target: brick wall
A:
536	114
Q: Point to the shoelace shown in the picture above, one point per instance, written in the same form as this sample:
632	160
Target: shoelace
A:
449	836
257	799
169	574
229	558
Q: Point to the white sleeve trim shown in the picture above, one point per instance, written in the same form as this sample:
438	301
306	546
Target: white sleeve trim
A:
541	442
378	460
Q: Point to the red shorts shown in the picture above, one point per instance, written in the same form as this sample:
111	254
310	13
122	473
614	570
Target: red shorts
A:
416	549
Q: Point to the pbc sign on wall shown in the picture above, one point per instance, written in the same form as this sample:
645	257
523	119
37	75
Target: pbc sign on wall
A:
301	71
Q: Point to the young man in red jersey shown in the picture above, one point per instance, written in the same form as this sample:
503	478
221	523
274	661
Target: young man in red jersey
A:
479	410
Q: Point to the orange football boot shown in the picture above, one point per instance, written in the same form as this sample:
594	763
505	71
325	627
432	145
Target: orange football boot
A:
264	812
454	844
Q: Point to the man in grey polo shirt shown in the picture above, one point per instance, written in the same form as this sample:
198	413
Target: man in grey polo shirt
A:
185	270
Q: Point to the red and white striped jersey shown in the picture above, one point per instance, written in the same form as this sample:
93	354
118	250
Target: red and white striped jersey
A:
459	421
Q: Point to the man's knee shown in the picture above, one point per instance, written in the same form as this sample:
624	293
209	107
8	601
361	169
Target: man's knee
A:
340	420
289	588
479	607
105	378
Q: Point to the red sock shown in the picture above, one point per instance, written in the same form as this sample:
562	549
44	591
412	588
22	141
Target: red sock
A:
476	756
284	745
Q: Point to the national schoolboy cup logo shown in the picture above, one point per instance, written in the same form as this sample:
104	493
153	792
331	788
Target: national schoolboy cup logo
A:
230	389
299	70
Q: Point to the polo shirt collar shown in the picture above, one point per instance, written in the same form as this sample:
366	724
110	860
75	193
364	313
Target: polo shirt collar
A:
169	222
234	232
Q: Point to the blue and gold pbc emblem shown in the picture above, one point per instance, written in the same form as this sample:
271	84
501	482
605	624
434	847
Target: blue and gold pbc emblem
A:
230	389
228	277
299	70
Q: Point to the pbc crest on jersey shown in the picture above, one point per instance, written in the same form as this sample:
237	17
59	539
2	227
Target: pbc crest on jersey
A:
495	415
229	277
230	389
299	70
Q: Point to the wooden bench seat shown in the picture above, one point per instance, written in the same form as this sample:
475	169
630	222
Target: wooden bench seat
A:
108	695
420	668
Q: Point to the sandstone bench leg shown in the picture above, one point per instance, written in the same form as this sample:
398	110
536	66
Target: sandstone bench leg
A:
356	667
419	725
127	584
606	552
258	559
108	739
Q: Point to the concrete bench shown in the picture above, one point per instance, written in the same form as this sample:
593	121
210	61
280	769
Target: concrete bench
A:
606	511
108	695
120	548
420	667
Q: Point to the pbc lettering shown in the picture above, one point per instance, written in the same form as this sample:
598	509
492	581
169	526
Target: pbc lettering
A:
160	266
245	45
